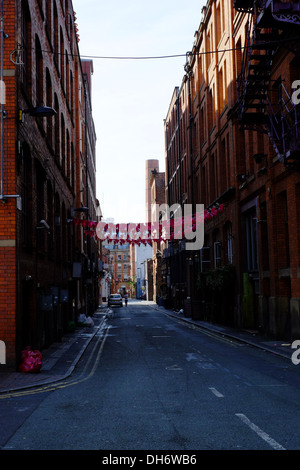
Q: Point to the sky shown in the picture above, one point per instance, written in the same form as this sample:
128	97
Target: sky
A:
131	97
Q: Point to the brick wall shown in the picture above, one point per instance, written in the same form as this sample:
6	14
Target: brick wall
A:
44	163
8	205
214	158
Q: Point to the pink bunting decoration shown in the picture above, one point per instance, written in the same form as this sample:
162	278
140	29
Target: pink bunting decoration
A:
165	230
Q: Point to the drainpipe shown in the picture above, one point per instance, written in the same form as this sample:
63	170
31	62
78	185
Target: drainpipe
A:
2	97
188	71
3	197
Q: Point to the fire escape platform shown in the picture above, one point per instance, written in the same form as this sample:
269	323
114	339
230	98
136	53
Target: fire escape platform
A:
256	112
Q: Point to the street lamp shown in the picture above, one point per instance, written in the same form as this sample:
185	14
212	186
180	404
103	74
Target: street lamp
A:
38	111
82	209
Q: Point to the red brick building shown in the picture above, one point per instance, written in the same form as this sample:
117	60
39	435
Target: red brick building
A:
47	137
119	257
158	196
232	144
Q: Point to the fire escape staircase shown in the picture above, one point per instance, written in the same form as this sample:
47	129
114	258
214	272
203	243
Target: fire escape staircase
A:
279	119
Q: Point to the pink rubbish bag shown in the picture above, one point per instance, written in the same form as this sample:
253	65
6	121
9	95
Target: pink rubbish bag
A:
31	361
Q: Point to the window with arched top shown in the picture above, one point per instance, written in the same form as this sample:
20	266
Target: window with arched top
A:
49	102
71	99
68	153
55	36
26	37
39	77
57	129
62	59
63	144
67	78
49	19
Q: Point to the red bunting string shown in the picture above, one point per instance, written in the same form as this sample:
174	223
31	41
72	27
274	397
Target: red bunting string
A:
147	233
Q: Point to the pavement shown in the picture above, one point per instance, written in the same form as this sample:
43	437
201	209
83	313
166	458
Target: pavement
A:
252	338
60	359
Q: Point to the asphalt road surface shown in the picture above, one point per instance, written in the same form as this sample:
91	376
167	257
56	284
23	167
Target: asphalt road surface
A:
150	382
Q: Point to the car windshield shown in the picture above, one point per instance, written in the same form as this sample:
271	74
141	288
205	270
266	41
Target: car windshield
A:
115	296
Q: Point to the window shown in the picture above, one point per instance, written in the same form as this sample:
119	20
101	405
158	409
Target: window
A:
204	178
213	176
217	254
57	130
208	48
70	238
223	98
218	25
64	233
229	244
264	237
283	231
72	166
217	245
71	28
71	99
210	110
202	125
49	19
250	218
39	73
40	206
205	256
62	59
25	44
49	103
67	78
68	152
238	57
57	227
49	215
223	166
63	144
221	90
55	38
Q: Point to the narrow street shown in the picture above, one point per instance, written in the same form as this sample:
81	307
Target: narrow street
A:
150	382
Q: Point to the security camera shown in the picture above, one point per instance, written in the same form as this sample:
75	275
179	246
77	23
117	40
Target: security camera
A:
43	224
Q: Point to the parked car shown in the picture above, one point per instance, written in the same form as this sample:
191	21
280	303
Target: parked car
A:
115	300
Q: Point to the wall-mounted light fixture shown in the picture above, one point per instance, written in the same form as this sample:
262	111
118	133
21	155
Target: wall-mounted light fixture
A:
242	177
81	209
43	225
38	111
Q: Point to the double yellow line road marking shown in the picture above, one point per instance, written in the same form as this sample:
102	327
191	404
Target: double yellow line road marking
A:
86	374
